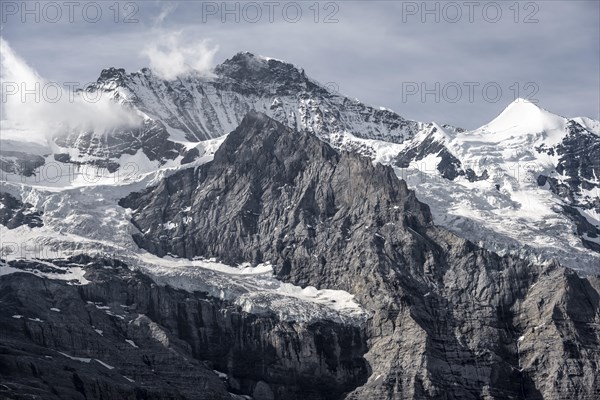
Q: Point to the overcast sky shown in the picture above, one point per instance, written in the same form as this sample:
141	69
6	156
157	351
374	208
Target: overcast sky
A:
382	52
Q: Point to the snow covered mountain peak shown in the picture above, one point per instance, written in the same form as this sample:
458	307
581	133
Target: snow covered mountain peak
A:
174	116
521	108
111	73
529	176
250	59
194	108
523	117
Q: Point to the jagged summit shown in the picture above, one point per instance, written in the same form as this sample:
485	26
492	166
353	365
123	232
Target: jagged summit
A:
250	60
111	76
241	65
264	72
196	107
112	72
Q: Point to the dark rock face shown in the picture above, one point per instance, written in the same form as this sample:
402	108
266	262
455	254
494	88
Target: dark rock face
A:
450	320
264	180
123	336
578	168
251	73
14	213
579	157
584	227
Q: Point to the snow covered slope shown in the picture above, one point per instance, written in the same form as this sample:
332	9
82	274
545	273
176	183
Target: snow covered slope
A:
196	108
53	220
174	116
590	124
527	182
179	113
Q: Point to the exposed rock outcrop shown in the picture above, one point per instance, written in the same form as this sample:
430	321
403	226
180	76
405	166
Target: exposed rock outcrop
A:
14	213
123	336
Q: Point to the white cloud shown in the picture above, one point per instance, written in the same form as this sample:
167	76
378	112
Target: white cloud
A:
169	58
48	108
164	13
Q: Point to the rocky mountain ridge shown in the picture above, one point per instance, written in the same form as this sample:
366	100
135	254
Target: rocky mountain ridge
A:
195	108
414	276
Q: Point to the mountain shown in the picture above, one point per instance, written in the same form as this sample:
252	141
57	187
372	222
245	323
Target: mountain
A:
525	184
527	177
194	108
178	116
120	335
260	236
443	316
333	219
484	185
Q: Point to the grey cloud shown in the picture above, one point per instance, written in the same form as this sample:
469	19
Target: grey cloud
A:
370	53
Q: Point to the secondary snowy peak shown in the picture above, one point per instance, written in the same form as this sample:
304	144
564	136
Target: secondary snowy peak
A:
523	117
430	151
527	177
590	124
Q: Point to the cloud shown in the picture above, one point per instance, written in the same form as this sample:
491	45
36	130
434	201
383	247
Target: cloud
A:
169	58
566	71
164	13
48	108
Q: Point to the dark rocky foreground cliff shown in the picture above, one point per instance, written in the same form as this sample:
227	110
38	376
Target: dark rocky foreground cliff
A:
123	337
450	320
